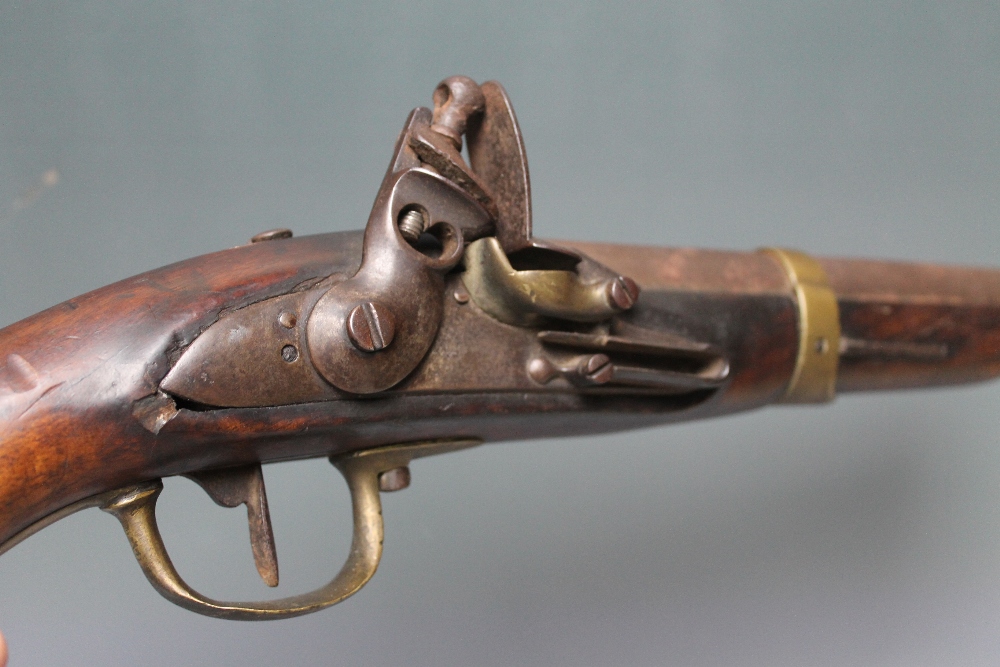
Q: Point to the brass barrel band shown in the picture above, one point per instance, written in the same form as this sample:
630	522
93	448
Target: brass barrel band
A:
814	379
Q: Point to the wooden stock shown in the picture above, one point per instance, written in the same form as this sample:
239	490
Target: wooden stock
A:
907	310
908	325
80	411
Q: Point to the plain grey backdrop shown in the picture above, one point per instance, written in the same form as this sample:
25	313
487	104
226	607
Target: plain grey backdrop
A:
862	533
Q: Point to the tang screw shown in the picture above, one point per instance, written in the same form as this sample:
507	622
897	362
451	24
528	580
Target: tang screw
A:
371	326
623	292
396	479
412	225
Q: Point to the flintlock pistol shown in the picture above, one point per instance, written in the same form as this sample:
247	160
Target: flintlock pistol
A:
443	325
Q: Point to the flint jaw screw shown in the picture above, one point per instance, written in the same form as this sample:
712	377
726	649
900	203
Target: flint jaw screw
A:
411	225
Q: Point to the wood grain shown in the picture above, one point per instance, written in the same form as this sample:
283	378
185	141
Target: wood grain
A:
80	411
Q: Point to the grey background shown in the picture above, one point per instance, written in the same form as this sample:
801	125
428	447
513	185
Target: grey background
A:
862	533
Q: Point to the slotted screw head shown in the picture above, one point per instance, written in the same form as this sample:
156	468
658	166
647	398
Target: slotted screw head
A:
371	326
597	369
623	292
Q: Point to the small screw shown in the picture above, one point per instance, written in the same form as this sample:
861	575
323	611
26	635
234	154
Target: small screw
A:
287	320
822	346
623	292
412	225
396	479
289	353
597	369
272	235
371	326
461	294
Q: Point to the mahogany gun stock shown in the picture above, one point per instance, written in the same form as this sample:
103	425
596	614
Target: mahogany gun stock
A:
443	325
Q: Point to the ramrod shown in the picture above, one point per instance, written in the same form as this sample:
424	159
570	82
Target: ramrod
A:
443	325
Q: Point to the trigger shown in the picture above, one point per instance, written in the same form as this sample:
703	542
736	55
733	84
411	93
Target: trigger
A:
244	485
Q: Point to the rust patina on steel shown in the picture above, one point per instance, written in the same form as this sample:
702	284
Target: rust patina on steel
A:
442	325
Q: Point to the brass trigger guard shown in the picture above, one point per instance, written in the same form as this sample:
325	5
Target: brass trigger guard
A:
135	507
